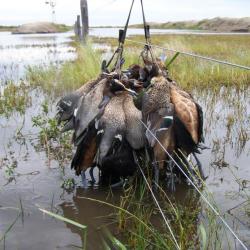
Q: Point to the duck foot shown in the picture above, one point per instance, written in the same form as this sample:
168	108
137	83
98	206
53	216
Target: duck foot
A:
171	177
119	184
156	177
85	183
91	174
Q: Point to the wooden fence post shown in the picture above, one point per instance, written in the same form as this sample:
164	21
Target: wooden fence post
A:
85	18
75	29
78	27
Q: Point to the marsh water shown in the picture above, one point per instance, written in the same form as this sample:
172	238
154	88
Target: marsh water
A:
36	181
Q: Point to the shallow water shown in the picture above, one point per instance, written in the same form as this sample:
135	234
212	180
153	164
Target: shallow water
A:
19	51
113	32
37	182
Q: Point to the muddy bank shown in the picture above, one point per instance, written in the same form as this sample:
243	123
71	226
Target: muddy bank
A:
41	28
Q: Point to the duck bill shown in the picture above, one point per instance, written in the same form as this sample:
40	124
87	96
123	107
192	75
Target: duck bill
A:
131	92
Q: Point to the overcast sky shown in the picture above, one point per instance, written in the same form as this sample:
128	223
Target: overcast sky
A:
114	12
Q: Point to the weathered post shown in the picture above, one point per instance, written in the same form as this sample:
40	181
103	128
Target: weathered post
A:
85	18
75	29
78	27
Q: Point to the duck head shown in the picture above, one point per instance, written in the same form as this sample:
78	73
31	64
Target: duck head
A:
149	71
66	106
113	87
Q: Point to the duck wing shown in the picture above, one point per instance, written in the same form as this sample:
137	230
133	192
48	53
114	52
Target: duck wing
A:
88	109
86	151
135	131
158	122
188	113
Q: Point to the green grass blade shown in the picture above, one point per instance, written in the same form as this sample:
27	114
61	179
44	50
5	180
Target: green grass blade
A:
76	224
203	236
61	218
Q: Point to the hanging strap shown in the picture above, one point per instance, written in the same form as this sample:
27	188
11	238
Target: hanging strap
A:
146	27
127	23
121	40
147	47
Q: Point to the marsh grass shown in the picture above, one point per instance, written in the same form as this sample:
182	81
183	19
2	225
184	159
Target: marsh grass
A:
140	225
70	75
196	73
188	72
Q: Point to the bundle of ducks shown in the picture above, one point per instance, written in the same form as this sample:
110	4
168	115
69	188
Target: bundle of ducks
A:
123	116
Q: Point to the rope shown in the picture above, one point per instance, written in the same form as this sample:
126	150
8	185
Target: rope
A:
197	189
159	207
194	55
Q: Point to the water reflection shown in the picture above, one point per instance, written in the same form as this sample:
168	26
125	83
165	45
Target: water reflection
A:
92	214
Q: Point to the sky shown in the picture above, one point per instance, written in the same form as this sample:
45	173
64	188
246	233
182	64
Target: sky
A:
114	12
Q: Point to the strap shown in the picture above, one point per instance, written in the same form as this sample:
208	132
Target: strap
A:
147	47
127	23
146	27
121	39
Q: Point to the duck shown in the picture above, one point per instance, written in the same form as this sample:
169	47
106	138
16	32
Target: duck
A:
67	105
113	126
173	117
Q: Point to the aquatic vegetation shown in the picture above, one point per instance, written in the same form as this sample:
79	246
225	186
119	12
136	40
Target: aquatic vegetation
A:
68	184
14	98
141	226
56	145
